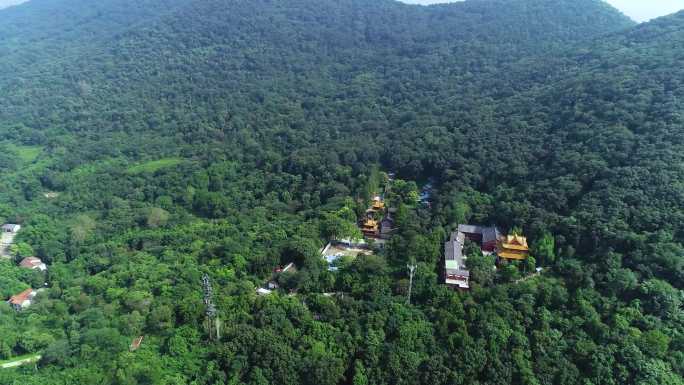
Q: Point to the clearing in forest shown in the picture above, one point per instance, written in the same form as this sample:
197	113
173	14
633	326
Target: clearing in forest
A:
154	165
28	153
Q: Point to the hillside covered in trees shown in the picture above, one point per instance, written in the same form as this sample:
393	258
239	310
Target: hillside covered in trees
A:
144	144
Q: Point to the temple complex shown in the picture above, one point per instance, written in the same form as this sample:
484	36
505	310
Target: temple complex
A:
490	241
378	223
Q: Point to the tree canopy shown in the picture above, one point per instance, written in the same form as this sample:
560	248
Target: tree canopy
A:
146	144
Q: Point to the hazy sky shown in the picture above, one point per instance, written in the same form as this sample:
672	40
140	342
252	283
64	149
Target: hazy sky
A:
639	10
7	3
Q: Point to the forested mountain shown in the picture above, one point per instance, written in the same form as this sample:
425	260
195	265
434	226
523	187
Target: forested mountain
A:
190	46
146	143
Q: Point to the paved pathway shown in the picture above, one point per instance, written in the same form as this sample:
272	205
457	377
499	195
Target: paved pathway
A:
21	361
533	275
6	241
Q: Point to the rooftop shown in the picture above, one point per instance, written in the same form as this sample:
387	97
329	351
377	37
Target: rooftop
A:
135	344
456	273
262	291
11	227
32	263
515	242
459	283
512	255
290	267
18	299
489	233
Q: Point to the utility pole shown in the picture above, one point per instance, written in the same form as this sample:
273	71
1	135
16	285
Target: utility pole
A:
210	311
412	270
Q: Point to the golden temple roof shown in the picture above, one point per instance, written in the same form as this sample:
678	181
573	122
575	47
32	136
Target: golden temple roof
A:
509	255
515	242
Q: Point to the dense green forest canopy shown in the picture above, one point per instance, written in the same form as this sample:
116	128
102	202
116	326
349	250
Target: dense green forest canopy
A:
144	144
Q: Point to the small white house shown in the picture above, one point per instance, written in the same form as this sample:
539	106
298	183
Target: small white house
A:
262	291
11	228
22	300
33	263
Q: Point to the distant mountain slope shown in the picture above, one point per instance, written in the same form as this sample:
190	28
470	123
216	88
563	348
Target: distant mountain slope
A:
85	55
624	102
75	22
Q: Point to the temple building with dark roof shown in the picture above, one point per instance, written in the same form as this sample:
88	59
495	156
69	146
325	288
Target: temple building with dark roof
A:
490	241
455	271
